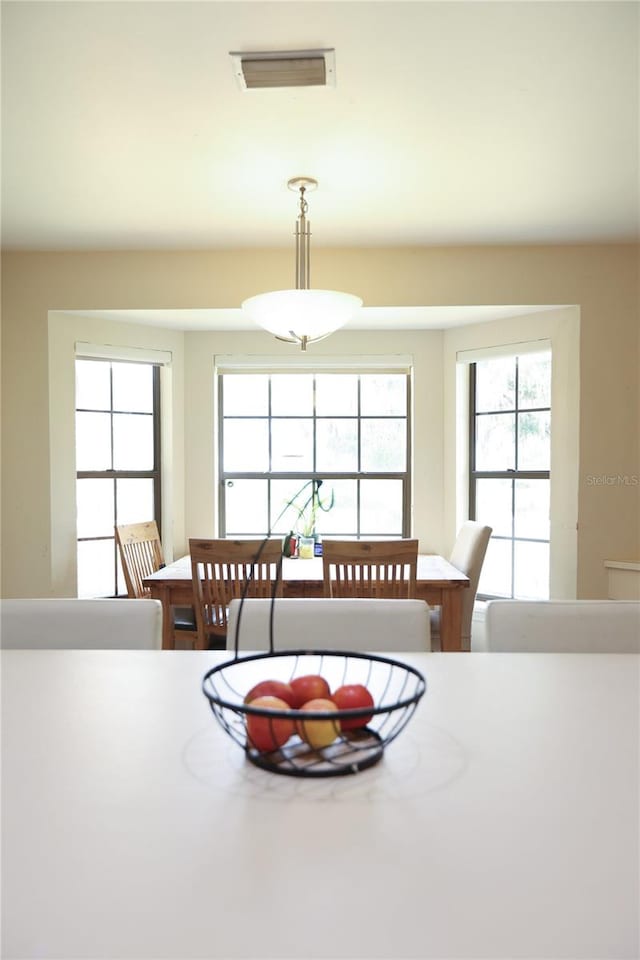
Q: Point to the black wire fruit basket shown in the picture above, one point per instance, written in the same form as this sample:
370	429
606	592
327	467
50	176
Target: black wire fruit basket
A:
314	742
327	734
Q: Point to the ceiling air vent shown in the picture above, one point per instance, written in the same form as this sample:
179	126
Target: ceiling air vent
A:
290	68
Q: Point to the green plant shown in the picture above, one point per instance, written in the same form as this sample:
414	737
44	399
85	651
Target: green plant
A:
312	504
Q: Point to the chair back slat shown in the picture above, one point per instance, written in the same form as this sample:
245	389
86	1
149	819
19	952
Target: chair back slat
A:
222	569
377	569
140	553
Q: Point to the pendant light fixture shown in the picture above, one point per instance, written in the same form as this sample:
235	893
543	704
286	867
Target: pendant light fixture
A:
302	315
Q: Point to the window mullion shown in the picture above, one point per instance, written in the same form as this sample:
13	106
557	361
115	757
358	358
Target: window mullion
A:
111	414
359	460
516	427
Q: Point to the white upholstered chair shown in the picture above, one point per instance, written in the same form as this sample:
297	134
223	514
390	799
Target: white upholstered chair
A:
468	556
331	624
563	626
71	624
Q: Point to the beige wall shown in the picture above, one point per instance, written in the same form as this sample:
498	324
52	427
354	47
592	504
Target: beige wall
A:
602	281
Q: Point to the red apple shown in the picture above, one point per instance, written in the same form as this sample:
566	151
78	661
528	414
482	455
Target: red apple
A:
271	688
318	733
268	733
309	687
353	696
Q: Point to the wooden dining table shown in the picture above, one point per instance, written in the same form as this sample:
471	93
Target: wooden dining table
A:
438	582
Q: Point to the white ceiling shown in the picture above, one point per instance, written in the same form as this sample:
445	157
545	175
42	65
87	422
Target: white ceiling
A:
450	122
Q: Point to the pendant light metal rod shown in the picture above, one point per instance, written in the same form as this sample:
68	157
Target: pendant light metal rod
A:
303	247
303	232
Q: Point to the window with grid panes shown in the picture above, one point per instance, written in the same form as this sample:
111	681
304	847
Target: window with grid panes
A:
117	463
279	432
509	457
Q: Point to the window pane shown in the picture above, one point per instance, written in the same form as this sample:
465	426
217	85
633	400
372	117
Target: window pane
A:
534	380
495	578
94	504
246	507
381	507
496	384
531	570
93	385
135	500
324	513
336	394
384	445
383	394
532	509
496	437
103	502
292	393
534	441
494	506
133	387
96	568
342	520
332	439
292	445
132	441
245	395
495	442
337	445
93	441
246	445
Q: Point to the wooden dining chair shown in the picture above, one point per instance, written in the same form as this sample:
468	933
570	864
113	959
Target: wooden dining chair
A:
141	554
223	570
370	568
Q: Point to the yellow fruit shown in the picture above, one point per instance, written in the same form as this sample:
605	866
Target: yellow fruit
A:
318	733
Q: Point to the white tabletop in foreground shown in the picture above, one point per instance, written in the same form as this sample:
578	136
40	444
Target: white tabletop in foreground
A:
502	823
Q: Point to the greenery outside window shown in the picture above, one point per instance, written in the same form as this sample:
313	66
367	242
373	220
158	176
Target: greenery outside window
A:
348	431
117	463
509	457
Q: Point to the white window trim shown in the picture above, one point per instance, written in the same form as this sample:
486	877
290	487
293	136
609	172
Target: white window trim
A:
503	350
119	353
400	363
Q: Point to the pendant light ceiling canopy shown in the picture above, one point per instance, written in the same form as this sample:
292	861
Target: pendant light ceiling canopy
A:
302	315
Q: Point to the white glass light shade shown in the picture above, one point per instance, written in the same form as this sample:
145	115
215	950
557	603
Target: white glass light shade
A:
301	314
